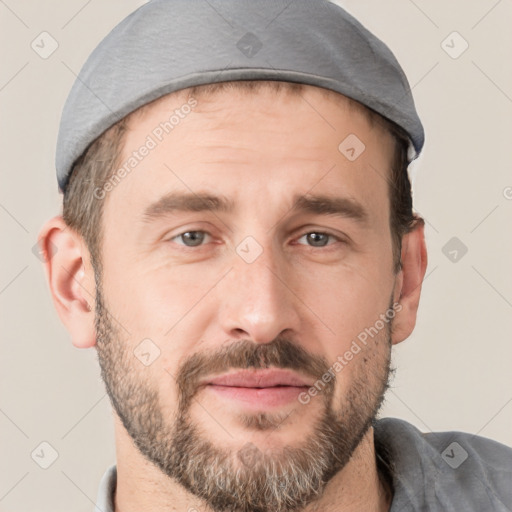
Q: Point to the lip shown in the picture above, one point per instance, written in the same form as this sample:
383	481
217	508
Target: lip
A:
270	378
257	399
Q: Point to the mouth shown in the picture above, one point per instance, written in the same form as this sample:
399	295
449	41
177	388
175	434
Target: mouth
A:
258	388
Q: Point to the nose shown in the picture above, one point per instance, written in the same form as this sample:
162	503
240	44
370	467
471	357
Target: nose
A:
257	299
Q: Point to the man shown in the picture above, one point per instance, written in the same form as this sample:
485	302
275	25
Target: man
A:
238	243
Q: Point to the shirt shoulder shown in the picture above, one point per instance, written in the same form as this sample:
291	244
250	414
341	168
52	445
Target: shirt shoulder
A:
445	471
106	490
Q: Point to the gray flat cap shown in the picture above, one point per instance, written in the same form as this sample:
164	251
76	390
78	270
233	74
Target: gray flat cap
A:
168	45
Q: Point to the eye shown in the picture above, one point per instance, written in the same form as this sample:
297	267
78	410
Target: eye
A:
318	239
190	238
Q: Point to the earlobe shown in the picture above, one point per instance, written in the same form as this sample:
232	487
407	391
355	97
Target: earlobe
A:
409	281
70	278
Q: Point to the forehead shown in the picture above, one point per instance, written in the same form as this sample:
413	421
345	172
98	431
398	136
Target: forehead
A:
288	139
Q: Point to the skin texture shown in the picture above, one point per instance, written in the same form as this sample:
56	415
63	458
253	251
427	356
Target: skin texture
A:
299	305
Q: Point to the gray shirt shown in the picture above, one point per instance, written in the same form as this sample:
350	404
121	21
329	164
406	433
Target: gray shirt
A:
434	472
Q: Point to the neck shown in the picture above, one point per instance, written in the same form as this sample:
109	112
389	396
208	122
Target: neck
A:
142	487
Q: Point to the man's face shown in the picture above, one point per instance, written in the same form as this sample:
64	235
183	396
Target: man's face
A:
189	295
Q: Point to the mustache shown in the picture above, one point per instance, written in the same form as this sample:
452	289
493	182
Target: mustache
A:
244	354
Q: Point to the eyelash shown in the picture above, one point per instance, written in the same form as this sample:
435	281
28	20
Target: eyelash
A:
330	235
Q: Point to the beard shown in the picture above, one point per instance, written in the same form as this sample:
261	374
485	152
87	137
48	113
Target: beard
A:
246	480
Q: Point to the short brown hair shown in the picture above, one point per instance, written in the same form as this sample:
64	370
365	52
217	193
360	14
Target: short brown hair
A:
82	211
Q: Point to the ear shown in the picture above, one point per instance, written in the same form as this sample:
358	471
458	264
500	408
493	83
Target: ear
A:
408	282
71	279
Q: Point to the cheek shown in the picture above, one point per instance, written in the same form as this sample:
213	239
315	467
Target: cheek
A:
348	307
346	299
152	299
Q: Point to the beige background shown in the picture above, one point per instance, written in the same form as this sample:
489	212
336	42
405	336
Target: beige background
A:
453	373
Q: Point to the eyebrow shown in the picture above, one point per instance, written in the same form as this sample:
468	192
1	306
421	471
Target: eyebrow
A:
344	207
316	204
187	202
